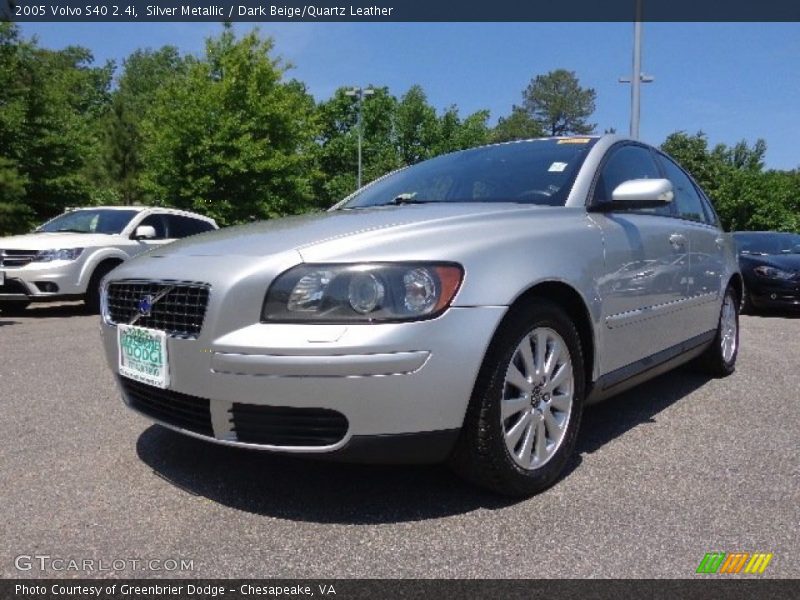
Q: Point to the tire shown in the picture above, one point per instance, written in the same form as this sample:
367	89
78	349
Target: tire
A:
719	360
92	296
747	306
10	308
491	451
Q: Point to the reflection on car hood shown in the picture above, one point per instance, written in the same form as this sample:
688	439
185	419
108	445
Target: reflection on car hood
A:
278	235
55	241
787	262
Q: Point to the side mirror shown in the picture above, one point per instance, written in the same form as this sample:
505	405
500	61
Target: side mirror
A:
144	232
642	193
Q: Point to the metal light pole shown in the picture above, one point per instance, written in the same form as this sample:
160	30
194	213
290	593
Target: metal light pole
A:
637	77
359	93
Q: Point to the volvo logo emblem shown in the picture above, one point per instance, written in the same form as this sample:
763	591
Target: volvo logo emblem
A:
145	306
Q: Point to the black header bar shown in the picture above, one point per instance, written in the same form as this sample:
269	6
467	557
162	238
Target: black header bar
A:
398	10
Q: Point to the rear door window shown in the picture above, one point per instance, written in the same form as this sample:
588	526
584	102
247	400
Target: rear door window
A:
181	226
687	198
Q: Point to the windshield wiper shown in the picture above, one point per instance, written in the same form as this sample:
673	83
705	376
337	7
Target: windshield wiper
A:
409	199
68	230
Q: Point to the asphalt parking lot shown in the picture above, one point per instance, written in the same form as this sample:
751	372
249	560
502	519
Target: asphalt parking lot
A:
665	473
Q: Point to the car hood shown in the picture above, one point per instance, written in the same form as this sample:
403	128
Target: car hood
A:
787	262
297	233
55	241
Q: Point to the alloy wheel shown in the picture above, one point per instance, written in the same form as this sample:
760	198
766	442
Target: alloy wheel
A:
537	398
728	329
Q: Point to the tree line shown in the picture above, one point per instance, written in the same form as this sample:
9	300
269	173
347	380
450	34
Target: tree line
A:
230	135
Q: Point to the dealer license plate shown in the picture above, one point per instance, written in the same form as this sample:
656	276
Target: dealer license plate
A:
143	355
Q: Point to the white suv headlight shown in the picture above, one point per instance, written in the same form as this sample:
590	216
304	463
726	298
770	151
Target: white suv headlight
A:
60	254
372	292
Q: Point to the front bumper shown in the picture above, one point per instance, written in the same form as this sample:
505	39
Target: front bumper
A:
42	281
401	388
774	294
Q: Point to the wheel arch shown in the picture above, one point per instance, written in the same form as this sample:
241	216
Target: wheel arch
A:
100	259
738	285
573	303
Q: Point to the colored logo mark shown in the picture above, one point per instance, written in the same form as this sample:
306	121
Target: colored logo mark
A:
734	562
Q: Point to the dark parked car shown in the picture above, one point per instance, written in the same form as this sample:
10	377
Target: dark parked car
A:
770	265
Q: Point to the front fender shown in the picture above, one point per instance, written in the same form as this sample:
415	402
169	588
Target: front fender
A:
97	256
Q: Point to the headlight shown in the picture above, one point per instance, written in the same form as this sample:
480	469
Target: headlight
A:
62	254
362	293
772	272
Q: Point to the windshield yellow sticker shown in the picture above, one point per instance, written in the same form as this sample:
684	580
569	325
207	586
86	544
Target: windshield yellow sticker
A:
575	141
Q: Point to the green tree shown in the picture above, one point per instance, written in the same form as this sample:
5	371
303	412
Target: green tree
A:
49	137
453	133
416	127
65	98
144	73
558	103
15	216
337	152
741	156
231	138
519	125
692	152
745	196
396	133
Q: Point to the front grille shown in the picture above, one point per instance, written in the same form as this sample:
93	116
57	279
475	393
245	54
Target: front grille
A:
16	258
180	410
179	312
284	426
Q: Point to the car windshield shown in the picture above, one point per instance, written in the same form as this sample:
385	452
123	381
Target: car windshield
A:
90	220
527	172
767	243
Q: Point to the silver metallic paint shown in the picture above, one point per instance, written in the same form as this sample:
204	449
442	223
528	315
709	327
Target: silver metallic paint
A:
506	249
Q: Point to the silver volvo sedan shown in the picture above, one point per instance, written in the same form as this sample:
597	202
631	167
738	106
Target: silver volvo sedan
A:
465	309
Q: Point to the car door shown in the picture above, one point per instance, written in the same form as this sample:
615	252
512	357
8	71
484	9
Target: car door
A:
645	282
707	242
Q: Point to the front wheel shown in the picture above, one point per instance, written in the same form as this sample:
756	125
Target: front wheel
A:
720	358
92	297
523	419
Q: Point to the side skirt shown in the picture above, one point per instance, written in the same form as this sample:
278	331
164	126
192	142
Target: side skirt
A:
631	375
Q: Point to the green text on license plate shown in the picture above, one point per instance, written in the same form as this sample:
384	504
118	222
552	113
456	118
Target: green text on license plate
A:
143	355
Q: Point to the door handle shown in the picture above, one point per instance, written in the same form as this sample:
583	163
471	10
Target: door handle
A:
677	240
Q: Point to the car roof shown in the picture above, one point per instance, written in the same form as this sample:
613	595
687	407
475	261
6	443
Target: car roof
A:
160	209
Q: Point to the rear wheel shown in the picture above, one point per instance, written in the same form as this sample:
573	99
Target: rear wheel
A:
522	423
720	358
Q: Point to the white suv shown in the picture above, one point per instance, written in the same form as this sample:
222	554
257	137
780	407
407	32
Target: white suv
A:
67	257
